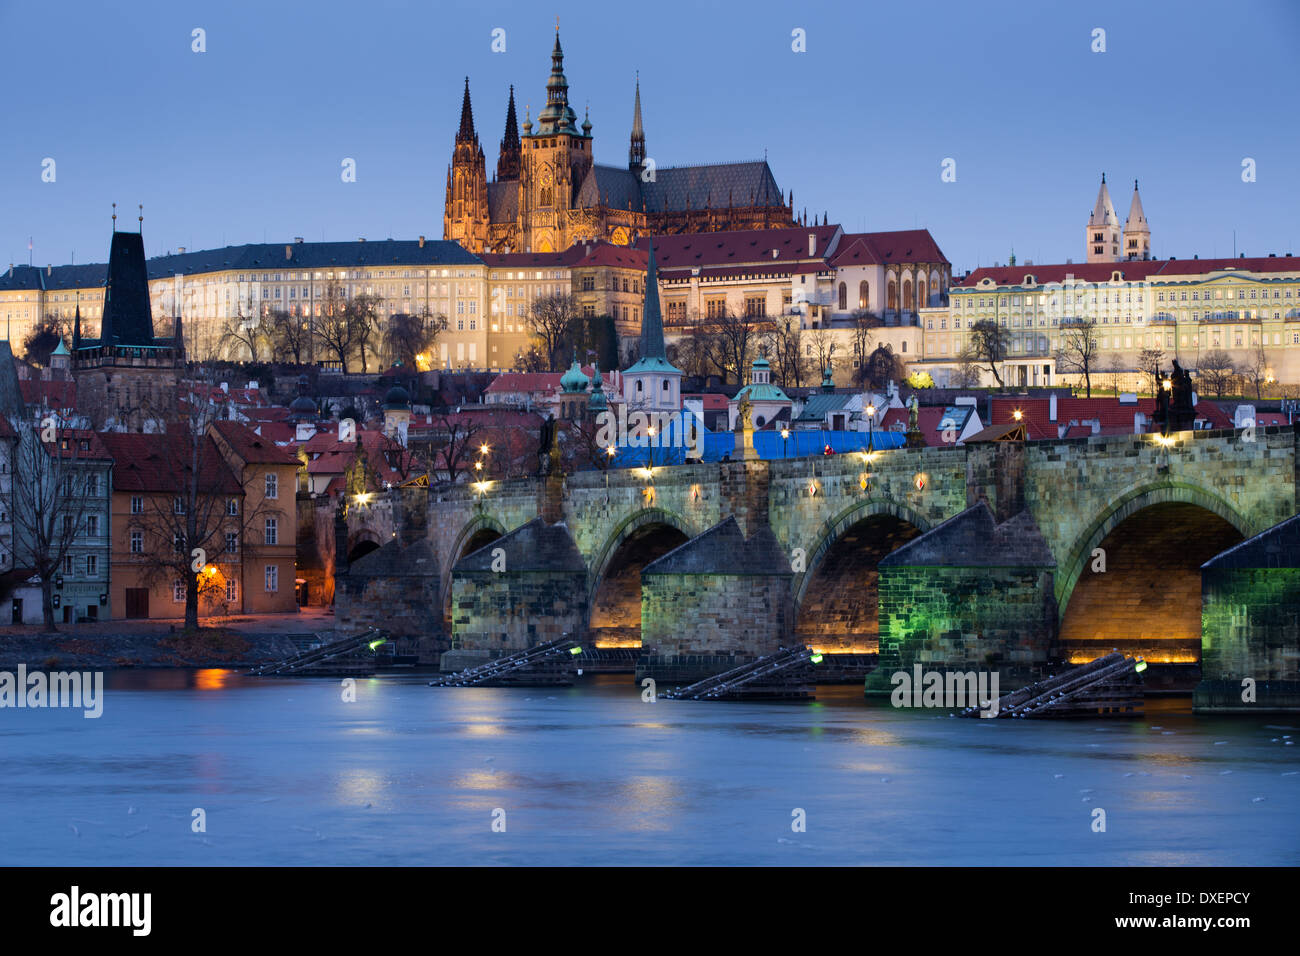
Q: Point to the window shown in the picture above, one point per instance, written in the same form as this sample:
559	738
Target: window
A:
92	565
272	577
272	486
137	542
92	486
178	591
92	525
232	590
232	506
232	542
137	505
178	506
67	564
272	530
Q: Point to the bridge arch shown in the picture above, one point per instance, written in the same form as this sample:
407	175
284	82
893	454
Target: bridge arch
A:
479	531
1154	537
614	588
835	603
361	543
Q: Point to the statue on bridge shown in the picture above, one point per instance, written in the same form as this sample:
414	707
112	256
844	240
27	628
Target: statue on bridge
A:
548	448
1175	405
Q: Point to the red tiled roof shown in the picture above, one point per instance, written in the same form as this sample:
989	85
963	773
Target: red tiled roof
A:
253	448
1161	269
95	452
712	401
929	419
742	247
51	394
872	248
1114	418
162	463
282	433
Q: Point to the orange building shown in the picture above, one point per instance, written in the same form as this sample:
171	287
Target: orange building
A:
268	476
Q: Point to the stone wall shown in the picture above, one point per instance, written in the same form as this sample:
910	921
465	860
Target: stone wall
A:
500	612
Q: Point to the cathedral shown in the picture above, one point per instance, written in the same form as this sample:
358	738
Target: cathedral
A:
548	192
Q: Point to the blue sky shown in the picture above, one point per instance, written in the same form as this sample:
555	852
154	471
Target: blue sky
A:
243	143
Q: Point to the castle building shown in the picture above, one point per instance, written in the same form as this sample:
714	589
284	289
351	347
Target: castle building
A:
548	191
1104	239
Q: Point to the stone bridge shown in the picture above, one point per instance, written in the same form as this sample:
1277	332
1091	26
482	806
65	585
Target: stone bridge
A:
1010	555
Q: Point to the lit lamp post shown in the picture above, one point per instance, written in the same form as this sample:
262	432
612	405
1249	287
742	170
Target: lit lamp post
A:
650	445
871	426
785	439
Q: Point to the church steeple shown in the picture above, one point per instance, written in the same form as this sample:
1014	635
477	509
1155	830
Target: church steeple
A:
636	153
652	323
1137	234
1103	232
508	161
466	132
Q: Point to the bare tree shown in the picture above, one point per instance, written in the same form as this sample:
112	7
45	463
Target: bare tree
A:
1217	371
881	368
42	339
551	319
1078	351
363	312
458	445
784	345
290	337
409	337
240	334
823	345
989	343
863	322
1150	362
733	339
1255	370
336	327
1114	368
50	499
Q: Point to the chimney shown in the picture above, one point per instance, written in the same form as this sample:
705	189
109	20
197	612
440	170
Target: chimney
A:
288	252
1051	408
49	268
812	244
775	253
422	242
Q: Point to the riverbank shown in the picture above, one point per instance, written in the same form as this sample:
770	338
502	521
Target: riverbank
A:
231	642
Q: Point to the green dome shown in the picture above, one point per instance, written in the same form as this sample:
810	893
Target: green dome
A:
573	380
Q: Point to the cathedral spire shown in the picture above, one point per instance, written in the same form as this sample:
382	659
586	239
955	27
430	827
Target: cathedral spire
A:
466	132
508	161
557	116
636	153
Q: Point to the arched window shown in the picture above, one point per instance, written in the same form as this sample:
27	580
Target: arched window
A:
546	197
665	386
844	296
908	304
891	299
864	295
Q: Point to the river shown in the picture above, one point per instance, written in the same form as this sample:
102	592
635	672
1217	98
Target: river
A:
288	773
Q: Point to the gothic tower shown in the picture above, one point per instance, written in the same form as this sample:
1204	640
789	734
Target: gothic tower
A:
508	161
636	152
1137	234
1103	233
556	157
465	218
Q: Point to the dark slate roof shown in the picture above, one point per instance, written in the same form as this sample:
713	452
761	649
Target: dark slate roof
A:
128	315
535	546
503	201
973	538
676	188
1278	547
392	560
265	256
724	550
745	184
612	186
